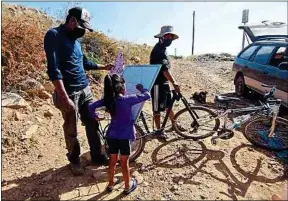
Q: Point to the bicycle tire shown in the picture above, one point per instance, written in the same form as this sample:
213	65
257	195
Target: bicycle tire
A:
258	143
195	108
140	147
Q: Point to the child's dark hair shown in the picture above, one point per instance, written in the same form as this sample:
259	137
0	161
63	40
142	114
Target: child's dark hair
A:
113	85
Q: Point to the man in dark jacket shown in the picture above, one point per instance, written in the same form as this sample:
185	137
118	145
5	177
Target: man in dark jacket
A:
66	69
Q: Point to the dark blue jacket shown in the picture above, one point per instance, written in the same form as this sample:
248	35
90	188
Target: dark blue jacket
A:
65	60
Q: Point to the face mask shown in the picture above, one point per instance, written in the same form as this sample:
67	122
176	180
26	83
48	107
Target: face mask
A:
77	33
167	42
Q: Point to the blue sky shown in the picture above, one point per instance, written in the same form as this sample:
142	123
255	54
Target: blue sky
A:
216	22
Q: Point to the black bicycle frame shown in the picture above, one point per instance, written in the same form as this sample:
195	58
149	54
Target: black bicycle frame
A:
175	97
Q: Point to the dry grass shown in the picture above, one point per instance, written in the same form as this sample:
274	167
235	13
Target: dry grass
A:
23	56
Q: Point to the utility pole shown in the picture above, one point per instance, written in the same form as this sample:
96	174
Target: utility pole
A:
175	52
193	32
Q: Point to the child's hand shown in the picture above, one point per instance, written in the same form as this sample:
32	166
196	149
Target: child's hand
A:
99	118
139	87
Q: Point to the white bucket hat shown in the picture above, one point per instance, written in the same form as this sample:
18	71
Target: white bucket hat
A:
167	30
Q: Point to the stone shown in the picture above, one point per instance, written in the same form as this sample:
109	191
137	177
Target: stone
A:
49	87
17	116
139	178
29	133
14	101
175	187
135	173
3	150
48	113
39	119
30	85
181	182
145	184
44	95
202	197
160	173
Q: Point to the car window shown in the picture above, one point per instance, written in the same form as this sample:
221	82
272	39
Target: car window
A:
263	54
278	57
247	53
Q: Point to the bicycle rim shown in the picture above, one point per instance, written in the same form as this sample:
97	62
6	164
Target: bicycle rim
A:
257	132
184	123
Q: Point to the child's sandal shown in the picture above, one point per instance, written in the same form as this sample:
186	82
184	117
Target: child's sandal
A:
110	188
132	188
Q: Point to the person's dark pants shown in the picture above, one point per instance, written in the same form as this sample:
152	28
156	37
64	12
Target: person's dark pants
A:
161	97
81	100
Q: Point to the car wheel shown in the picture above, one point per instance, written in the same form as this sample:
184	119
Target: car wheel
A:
240	87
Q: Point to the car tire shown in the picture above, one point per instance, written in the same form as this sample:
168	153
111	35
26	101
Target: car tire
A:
240	88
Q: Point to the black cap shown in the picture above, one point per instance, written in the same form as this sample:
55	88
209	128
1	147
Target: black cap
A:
82	16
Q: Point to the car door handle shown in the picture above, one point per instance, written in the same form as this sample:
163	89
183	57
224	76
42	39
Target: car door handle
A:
265	72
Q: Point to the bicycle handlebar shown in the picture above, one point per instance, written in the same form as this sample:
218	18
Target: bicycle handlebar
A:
176	95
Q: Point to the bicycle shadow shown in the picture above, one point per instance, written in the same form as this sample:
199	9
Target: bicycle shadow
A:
58	184
230	177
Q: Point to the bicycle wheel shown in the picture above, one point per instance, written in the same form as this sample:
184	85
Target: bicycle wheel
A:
137	146
184	124
257	130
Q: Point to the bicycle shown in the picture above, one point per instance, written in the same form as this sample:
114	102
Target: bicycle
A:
263	127
138	144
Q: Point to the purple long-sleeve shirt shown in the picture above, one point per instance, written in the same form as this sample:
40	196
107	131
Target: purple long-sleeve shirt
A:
122	124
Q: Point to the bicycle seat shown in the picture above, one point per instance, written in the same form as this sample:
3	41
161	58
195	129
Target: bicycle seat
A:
219	98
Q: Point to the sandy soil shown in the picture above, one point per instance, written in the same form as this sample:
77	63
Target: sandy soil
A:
36	168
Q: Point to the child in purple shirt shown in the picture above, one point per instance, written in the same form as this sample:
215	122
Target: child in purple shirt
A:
121	129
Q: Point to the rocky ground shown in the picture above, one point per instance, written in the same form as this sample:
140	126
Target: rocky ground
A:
34	166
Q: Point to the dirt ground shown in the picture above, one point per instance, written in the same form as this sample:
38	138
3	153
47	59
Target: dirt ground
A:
36	168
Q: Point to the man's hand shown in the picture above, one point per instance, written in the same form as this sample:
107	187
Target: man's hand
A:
176	87
68	105
109	67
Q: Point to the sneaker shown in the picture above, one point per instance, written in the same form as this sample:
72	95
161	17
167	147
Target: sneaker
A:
101	159
76	169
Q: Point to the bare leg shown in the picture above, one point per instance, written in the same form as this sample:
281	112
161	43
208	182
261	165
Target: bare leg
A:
112	167
157	120
171	115
124	160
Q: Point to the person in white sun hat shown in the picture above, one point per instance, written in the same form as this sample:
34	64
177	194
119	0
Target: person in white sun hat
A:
160	92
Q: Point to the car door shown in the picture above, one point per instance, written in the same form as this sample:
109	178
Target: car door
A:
279	76
261	71
243	63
